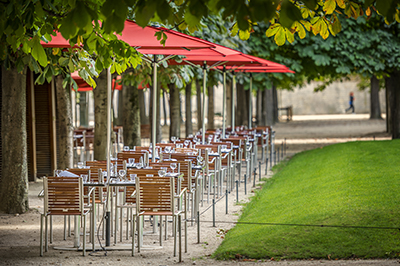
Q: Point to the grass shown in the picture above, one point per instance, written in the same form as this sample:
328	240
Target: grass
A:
349	184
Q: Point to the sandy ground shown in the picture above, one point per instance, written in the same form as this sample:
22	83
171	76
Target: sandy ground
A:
19	234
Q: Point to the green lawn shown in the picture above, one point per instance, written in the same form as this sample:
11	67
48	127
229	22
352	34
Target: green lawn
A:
349	184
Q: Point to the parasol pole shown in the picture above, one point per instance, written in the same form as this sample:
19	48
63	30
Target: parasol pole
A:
233	100
224	104
250	102
108	203
203	131
154	124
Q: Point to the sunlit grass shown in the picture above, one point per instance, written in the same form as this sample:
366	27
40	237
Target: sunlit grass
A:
350	184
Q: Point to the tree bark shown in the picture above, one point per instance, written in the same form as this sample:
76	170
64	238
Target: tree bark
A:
228	103
211	113
65	144
392	84
375	112
259	107
275	105
100	117
241	116
159	128
119	120
389	104
164	108
144	119
174	129
14	181
269	107
83	112
199	106
131	119
188	109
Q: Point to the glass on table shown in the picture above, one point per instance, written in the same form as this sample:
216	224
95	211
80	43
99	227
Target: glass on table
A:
173	166
132	177
126	148
80	165
85	178
162	172
167	149
131	161
122	174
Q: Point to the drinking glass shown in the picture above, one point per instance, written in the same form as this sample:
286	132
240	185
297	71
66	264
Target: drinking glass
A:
84	178
161	172
133	177
131	161
57	172
80	165
173	139
186	143
173	167
122	173
126	148
139	165
167	149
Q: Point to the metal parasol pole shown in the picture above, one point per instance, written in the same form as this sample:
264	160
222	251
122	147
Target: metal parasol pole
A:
108	203
224	104
203	131
154	122
233	100
250	102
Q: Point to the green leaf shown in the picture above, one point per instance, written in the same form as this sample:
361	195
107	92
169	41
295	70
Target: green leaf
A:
38	52
163	10
329	6
190	19
80	15
289	14
311	4
143	15
273	29
244	34
280	36
68	28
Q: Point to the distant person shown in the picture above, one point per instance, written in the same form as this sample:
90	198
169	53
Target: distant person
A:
351	103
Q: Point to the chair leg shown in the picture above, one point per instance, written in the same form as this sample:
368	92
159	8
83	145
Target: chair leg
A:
65	227
84	235
174	221
133	233
161	221
180	236
139	226
51	229
46	239
41	235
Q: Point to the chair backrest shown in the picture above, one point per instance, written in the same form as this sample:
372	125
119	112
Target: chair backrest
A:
63	195
155	195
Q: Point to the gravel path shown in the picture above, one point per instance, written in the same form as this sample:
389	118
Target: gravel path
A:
19	235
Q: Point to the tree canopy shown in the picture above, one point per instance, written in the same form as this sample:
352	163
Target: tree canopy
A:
93	25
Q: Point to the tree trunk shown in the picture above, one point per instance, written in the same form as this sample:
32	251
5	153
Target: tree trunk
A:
269	107
389	104
375	105
199	106
392	84
174	129
131	119
119	120
210	114
188	109
259	108
241	116
100	117
275	105
65	145
159	128
83	111
228	103
164	108
144	119
14	182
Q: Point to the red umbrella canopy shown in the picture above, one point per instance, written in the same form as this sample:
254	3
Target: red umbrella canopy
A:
145	40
